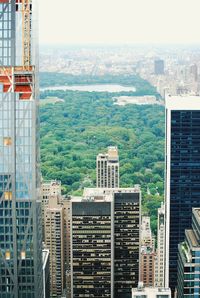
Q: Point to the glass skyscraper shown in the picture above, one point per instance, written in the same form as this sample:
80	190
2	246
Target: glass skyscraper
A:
182	174
20	219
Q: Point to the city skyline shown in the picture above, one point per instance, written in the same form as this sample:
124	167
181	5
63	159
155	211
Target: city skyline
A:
119	22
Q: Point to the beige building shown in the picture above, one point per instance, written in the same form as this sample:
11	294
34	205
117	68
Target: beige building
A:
107	169
48	188
146	234
54	241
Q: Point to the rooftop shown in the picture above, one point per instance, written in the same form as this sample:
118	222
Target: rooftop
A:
150	292
182	102
102	194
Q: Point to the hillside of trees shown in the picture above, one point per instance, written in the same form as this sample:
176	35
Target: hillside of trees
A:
74	130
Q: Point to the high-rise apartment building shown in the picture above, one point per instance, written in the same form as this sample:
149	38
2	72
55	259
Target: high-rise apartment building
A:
107	169
54	242
20	206
188	281
147	268
147	254
182	174
105	232
160	259
48	189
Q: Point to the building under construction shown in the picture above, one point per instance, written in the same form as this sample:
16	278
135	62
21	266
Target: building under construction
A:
20	219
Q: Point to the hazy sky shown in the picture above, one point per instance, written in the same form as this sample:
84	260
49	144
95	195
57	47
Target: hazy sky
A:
119	21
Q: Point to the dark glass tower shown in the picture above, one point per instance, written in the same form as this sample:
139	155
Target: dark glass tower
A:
182	174
105	246
127	242
20	220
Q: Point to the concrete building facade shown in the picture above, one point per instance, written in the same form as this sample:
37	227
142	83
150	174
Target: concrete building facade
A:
107	169
54	242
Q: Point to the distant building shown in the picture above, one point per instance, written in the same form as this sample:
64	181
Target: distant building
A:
182	186
159	67
107	169
46	273
150	292
194	72
160	259
189	260
105	242
54	242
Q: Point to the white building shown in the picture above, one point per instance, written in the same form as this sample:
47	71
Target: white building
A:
107	169
159	275
142	292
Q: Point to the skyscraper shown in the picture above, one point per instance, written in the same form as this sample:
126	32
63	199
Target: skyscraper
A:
20	206
48	189
188	281
92	247
147	253
182	174
107	169
105	232
160	260
54	242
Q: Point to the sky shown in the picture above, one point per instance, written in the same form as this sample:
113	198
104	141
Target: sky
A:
119	21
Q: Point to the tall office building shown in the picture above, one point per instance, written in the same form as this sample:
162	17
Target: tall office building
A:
66	203
159	67
20	207
188	281
92	247
107	169
54	242
127	240
105	228
160	259
182	174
